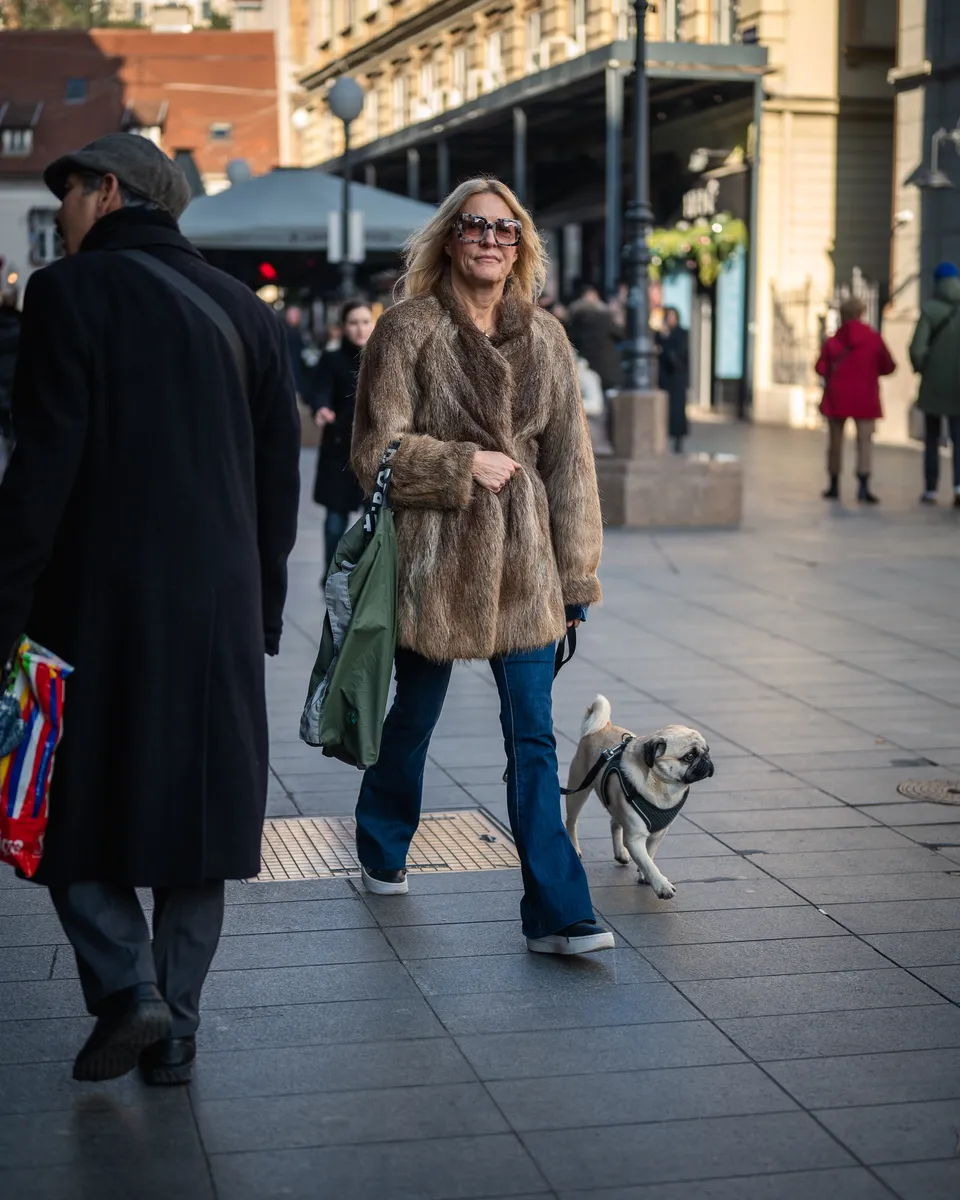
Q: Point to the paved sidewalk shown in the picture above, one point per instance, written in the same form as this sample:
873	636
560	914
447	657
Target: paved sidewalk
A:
787	1028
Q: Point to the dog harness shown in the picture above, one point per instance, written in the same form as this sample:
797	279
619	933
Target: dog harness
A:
609	763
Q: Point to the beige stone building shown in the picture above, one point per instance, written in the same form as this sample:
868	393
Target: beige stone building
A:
825	184
925	222
784	103
417	59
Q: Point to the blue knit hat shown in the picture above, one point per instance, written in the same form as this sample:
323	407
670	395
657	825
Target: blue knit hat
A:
946	270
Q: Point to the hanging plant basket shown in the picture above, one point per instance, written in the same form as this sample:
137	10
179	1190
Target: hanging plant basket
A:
702	247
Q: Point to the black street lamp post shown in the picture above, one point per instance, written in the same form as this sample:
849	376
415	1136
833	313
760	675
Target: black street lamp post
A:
638	348
346	102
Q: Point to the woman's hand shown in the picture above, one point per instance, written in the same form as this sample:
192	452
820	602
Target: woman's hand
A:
573	624
493	470
324	416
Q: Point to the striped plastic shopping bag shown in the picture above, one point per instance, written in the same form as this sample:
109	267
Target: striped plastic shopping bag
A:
37	685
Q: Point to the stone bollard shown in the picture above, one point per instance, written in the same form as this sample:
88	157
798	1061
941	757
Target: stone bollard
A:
642	486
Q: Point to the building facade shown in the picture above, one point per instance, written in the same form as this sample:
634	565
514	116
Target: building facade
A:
783	104
206	96
540	94
419	59
925	222
825	187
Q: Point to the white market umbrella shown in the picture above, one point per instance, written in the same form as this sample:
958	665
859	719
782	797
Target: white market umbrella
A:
288	209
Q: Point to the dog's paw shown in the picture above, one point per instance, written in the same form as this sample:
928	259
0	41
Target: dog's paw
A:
666	890
642	880
623	859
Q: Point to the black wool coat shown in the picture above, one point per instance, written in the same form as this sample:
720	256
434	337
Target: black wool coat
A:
674	347
145	523
595	337
336	486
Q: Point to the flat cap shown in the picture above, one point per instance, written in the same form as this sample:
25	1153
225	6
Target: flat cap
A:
136	162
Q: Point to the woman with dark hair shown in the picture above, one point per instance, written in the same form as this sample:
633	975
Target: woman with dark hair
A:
336	486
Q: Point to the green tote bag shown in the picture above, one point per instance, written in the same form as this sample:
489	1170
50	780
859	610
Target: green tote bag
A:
350	683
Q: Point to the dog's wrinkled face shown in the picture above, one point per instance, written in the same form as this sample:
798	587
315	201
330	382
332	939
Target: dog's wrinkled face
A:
675	754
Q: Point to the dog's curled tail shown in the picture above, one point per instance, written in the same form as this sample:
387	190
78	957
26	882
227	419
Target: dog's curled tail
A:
597	717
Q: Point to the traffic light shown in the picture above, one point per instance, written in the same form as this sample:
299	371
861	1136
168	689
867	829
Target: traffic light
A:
268	272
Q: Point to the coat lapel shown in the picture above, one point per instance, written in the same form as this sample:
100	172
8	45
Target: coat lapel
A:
488	390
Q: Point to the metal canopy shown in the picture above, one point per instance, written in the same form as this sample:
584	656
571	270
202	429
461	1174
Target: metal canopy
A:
288	210
694	63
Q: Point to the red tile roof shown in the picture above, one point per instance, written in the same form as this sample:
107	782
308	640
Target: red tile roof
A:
188	82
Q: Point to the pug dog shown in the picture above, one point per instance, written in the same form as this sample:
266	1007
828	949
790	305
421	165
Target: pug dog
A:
658	770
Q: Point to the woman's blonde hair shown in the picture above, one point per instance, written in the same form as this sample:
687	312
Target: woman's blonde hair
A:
425	256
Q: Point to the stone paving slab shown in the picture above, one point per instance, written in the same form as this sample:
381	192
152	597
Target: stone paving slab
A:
841	1184
787	1028
431	1168
907	1132
715	1146
923	1181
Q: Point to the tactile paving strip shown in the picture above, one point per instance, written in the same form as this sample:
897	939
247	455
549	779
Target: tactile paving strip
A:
324	847
934	791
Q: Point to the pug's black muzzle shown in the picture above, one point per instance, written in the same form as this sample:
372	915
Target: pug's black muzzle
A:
701	769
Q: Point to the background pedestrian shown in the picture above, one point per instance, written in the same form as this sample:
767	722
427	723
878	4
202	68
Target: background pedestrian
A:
336	486
594	334
850	364
674	345
935	355
296	345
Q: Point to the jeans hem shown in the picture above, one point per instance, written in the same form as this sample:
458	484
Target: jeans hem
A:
591	916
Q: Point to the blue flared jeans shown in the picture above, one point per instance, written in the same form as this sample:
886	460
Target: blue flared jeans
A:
556	893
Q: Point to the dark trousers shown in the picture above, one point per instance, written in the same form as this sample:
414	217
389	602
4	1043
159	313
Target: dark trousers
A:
111	940
931	454
334	527
556	893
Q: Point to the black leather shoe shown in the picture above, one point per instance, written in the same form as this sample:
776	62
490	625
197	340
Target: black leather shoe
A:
127	1022
169	1061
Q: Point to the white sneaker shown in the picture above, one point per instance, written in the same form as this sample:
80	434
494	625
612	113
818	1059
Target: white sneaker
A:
581	938
385	883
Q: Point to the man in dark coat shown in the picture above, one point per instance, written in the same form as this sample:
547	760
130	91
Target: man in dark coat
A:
145	523
595	336
9	343
674	343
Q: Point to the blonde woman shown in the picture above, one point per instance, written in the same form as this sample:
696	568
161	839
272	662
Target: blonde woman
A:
498	522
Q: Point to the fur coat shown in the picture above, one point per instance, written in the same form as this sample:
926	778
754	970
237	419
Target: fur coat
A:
481	574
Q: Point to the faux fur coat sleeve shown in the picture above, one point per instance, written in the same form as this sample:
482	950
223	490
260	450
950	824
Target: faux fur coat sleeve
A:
566	466
428	472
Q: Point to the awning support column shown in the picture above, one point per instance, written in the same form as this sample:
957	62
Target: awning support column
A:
614	172
413	174
520	153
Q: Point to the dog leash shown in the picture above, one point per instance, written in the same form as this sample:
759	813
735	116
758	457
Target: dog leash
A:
568	641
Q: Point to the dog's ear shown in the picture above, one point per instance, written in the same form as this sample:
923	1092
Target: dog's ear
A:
652	749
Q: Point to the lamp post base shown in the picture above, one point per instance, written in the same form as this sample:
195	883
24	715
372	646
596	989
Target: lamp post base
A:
644	487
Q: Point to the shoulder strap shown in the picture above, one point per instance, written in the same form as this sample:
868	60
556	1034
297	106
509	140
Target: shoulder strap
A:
381	489
198	297
832	366
941	326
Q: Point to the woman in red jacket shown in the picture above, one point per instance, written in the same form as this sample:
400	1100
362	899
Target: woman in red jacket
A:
851	363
